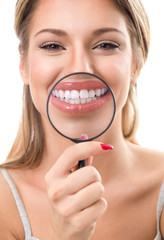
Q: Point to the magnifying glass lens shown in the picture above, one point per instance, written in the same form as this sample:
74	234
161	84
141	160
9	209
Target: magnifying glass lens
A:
81	103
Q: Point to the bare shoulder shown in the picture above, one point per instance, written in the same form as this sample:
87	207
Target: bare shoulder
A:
9	220
149	158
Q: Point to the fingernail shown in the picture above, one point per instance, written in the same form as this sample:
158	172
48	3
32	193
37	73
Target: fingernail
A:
106	146
84	136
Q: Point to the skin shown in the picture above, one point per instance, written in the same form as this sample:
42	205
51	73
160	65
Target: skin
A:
117	198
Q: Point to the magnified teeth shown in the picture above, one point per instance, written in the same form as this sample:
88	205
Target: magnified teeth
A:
89	100
103	91
72	101
79	96
91	93
61	94
98	92
77	101
83	100
84	93
75	94
67	94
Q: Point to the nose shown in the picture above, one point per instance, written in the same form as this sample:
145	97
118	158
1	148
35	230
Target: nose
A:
80	61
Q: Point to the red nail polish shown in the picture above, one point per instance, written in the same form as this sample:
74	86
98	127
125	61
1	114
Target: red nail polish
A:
106	147
84	136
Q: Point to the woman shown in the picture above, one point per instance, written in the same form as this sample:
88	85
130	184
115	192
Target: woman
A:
119	194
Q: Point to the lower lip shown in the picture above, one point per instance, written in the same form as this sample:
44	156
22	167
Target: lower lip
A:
80	108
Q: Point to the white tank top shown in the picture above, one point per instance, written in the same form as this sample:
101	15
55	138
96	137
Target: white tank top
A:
26	223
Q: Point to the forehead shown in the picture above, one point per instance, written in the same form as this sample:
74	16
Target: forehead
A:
77	15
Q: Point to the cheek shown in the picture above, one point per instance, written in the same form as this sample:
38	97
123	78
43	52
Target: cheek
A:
117	73
41	74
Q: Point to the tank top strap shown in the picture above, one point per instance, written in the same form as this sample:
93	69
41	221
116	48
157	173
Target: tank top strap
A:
20	206
160	205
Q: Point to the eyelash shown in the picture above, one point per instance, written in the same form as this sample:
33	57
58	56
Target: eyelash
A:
51	46
54	47
107	46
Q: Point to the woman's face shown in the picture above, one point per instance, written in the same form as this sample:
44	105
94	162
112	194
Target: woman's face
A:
77	36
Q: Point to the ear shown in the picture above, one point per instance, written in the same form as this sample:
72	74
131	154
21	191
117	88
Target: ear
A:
23	71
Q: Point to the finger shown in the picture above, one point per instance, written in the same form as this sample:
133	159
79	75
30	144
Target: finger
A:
86	197
73	154
89	161
82	178
83	199
73	183
90	215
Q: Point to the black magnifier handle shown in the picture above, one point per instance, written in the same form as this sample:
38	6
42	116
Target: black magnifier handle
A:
82	163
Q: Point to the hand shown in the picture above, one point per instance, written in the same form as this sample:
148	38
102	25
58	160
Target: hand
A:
76	197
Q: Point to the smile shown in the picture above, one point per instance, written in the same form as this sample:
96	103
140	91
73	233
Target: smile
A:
79	96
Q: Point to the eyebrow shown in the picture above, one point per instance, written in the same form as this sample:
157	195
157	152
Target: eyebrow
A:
62	33
58	32
101	31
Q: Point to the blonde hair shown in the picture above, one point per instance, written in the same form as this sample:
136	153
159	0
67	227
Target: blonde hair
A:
28	146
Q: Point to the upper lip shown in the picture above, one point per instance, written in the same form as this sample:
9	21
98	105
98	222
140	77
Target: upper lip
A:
78	85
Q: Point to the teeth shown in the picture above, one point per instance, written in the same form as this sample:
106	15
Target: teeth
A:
61	94
75	94
83	100
55	93
79	97
92	93
93	99
89	100
72	101
103	91
84	93
77	101
98	92
67	94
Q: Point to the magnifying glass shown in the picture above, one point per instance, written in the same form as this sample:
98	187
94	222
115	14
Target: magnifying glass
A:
81	103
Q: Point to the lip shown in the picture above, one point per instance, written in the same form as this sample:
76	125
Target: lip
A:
80	108
91	84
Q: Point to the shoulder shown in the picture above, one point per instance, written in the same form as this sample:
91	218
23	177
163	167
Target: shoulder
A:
9	220
151	163
148	152
150	159
148	166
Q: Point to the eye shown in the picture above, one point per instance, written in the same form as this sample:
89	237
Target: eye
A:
53	47
107	46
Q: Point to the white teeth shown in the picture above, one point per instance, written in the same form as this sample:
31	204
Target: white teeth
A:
61	94
55	93
98	92
94	99
77	101
83	100
67	94
84	93
75	94
89	100
79	97
91	93
103	91
66	100
72	101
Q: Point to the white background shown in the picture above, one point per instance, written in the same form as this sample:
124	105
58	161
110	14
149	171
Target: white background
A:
150	90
